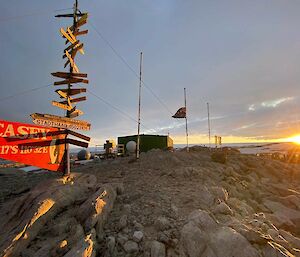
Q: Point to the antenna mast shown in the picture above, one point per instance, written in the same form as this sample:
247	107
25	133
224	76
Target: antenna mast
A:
139	111
208	120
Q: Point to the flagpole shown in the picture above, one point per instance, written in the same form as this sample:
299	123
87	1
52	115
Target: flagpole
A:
208	120
186	127
139	111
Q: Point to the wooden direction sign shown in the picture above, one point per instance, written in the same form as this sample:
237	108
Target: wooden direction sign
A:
72	46
59	122
78	143
39	146
72	63
69	15
66	75
70	37
76	113
62	105
71	81
62	94
74	51
72	91
75	100
79	33
76	134
81	21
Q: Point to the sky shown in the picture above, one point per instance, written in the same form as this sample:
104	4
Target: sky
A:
243	57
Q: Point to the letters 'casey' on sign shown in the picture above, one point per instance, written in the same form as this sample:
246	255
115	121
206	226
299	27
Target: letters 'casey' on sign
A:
43	147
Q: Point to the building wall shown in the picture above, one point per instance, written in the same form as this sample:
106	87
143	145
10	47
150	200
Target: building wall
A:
148	142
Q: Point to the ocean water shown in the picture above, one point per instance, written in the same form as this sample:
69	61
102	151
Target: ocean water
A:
247	148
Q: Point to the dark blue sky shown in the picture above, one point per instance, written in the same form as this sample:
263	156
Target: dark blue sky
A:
243	57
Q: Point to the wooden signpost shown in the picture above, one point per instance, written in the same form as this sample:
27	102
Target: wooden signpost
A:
46	144
68	78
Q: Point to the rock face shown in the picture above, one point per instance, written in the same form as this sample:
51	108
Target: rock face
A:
169	204
158	249
202	236
131	247
46	210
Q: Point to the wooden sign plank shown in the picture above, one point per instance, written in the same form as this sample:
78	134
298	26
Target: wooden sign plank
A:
72	46
66	75
71	34
62	105
81	21
76	113
59	122
70	37
78	143
69	15
74	51
74	40
62	94
75	100
71	61
67	36
73	91
76	134
71	81
83	32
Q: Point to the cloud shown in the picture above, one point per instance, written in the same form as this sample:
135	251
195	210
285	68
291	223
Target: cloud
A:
270	104
245	127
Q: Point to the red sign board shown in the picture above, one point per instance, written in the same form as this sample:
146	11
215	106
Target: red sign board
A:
39	146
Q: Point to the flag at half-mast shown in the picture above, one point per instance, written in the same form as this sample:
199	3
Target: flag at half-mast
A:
181	113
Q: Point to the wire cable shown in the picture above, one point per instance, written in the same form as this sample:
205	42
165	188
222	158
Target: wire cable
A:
24	92
116	108
129	67
41	12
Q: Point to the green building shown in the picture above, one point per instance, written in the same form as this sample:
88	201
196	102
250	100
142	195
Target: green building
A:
148	142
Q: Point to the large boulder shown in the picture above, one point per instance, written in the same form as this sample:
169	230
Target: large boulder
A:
53	212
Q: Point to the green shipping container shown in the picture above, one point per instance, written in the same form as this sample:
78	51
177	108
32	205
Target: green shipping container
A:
148	142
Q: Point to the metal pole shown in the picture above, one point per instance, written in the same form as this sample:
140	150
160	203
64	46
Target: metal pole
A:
186	128
67	147
208	120
139	111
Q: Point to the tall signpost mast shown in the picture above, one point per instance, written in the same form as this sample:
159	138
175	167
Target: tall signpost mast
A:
73	76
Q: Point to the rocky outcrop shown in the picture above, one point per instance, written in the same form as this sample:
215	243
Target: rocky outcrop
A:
72	212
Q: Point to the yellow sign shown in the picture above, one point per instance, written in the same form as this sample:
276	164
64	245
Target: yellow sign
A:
59	122
70	37
62	106
73	64
76	113
62	94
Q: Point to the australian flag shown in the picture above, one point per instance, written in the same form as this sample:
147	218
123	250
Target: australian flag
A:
181	113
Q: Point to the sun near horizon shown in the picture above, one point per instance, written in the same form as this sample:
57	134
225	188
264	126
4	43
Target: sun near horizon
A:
203	139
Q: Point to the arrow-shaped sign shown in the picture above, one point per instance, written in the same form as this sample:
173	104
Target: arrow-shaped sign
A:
71	81
67	75
75	100
62	105
71	61
73	91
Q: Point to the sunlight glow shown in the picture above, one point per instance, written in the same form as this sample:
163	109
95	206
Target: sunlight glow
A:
295	139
